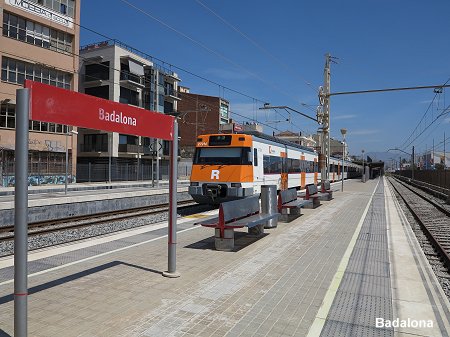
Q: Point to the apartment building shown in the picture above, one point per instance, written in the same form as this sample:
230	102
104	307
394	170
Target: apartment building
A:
199	114
40	42
115	71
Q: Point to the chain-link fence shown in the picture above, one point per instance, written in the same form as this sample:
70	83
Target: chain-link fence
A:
40	173
98	172
55	173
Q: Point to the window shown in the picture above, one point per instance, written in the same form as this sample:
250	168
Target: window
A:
255	157
101	92
42	36
7	116
272	164
65	7
95	72
16	71
95	143
168	107
222	156
127	139
128	96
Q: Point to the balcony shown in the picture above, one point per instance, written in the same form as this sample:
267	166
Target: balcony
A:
172	77
131	148
171	94
131	79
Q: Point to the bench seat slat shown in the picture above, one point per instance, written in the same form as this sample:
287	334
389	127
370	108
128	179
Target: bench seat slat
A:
253	220
296	203
210	221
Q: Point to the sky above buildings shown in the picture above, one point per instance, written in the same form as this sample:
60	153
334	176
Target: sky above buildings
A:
255	51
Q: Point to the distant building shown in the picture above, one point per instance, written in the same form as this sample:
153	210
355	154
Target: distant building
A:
336	146
39	42
432	160
199	114
297	138
117	72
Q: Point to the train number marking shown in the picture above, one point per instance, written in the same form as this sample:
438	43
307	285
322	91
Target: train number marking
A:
215	174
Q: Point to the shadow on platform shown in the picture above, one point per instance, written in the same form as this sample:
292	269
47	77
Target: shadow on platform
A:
76	276
241	240
4	334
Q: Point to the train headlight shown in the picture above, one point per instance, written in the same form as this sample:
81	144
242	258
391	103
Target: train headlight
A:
236	185
194	184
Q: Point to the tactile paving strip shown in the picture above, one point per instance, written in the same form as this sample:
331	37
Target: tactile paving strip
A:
365	292
61	259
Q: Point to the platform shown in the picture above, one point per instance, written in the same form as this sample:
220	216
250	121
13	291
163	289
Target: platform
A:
328	273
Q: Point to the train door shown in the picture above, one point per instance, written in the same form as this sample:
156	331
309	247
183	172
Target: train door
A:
284	170
303	172
315	170
258	170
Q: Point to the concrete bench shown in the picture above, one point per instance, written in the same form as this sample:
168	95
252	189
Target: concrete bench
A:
326	188
312	194
237	214
289	206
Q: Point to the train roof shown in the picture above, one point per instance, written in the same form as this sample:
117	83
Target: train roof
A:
277	140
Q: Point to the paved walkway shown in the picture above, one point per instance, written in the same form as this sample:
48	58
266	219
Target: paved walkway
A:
273	286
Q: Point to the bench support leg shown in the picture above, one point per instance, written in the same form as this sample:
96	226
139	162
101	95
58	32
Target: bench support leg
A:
225	243
256	230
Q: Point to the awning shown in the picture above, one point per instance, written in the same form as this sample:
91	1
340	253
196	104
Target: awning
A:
136	68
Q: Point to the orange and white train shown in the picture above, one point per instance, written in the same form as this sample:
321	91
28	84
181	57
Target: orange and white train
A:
231	166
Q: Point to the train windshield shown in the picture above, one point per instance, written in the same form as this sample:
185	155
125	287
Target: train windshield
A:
222	156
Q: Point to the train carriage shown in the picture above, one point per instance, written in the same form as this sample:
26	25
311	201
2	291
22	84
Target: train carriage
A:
231	166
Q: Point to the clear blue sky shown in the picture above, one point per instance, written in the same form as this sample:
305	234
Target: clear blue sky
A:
380	44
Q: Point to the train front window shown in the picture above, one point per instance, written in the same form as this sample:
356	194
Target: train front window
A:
222	156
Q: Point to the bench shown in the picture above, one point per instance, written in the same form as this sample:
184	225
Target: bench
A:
312	194
326	188
289	206
237	214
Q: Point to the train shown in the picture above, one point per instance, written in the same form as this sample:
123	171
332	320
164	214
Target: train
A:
232	166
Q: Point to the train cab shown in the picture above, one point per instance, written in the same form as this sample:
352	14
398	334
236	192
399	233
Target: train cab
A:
222	168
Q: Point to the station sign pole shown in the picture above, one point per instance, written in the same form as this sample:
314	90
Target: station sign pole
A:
21	214
56	105
172	230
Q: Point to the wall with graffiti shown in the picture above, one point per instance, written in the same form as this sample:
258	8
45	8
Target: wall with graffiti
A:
8	181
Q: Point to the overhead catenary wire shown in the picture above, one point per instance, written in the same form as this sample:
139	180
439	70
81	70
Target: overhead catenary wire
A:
162	62
151	58
253	42
202	45
423	117
110	81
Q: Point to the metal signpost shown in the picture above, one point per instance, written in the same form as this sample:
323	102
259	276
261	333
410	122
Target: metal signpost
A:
21	215
42	102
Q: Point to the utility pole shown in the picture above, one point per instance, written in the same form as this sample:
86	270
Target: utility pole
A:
324	117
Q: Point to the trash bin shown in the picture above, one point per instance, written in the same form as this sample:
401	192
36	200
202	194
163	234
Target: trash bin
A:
269	203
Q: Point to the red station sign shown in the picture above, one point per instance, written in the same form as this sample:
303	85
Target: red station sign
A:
56	105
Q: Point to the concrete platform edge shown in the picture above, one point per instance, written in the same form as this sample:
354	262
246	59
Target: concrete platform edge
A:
319	322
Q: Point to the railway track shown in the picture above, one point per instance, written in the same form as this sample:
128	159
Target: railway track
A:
79	222
432	216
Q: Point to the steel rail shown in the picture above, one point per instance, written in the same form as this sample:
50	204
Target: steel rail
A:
150	210
432	237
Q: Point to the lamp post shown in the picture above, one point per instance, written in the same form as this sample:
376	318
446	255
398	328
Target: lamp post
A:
343	132
364	171
69	133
